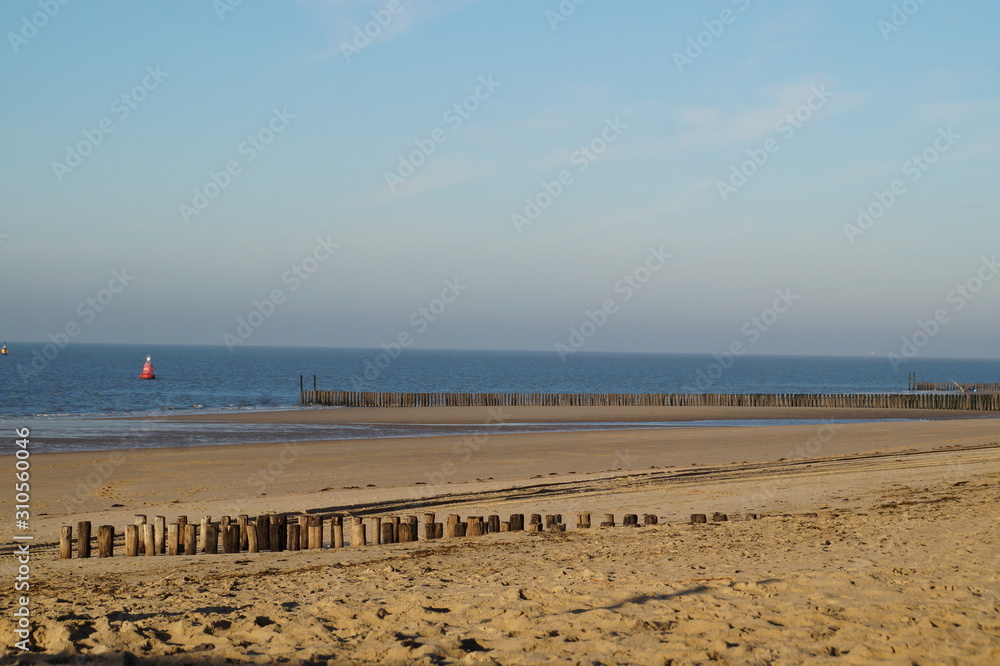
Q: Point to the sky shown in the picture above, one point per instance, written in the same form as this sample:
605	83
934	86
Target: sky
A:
811	177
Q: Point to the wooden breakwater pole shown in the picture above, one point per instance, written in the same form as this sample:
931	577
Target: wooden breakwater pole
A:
968	401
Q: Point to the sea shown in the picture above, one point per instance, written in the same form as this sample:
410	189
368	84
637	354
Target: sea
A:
89	397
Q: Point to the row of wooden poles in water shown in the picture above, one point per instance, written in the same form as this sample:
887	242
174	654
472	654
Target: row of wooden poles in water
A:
280	532
963	401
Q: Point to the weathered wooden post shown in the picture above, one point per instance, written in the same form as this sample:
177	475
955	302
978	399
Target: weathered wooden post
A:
149	539
583	521
388	532
304	530
315	532
106	541
630	520
494	523
357	533
203	533
182	547
451	527
294	530
403	536
263	523
190	538
65	542
697	518
160	540
414	534
131	540
140	520
83	539
650	519
376	530
252	544
212	538
517	522
608	520
336	531
242	520
173	539
275	535
505	526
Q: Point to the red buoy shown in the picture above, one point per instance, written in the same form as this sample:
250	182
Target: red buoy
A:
147	370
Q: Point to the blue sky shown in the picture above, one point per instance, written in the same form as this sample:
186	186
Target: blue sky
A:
740	138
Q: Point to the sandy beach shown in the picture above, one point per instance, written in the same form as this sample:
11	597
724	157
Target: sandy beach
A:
877	543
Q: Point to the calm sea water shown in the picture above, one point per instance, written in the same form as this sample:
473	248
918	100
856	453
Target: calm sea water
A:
67	392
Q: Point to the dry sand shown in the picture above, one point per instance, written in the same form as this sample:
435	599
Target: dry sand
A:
880	547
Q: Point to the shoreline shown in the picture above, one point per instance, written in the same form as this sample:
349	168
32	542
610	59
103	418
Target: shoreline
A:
568	414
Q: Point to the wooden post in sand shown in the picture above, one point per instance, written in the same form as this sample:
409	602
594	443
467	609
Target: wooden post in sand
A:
414	533
294	530
494	523
241	520
132	540
697	518
212	538
252	545
337	531
65	542
190	538
83	539
650	519
516	522
230	537
173	539
315	532
536	519
403	535
376	530
304	530
182	547
160	537
274	535
583	521
106	541
263	524
202	533
149	539
388	532
429	526
630	520
450	525
505	526
140	519
608	520
357	533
